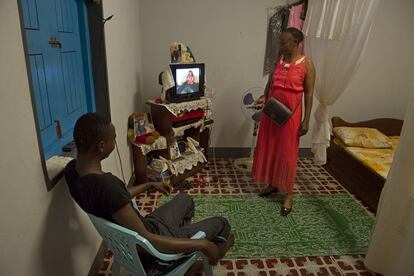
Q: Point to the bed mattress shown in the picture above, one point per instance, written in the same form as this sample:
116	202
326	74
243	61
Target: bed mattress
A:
377	160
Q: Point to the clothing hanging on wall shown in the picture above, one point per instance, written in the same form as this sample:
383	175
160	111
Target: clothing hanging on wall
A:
304	10
283	16
277	23
294	17
296	21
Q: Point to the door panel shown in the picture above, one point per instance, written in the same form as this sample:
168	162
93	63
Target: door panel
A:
39	83
70	73
30	17
64	15
71	82
57	71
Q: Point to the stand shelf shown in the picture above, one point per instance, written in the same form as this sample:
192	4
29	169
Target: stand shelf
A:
162	118
139	155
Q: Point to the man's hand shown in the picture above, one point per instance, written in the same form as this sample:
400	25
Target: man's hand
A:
304	127
159	186
211	251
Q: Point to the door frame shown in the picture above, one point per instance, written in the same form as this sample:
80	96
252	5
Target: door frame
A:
87	61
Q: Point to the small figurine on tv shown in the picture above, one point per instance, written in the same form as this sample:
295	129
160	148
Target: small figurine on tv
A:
181	53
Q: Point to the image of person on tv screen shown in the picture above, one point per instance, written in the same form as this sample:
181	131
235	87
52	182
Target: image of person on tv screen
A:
189	86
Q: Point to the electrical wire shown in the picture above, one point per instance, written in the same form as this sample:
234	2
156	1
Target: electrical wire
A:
100	58
210	140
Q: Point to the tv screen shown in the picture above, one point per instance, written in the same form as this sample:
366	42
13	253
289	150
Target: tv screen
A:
189	82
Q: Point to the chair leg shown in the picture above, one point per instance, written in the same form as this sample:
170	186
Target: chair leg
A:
208	270
116	268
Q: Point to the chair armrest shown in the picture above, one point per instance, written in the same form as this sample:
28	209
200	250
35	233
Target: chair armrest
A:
166	256
199	235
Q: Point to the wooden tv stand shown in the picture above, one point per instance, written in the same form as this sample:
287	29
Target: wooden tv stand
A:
162	118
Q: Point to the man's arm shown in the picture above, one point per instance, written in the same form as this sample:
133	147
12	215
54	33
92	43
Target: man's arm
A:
135	190
127	217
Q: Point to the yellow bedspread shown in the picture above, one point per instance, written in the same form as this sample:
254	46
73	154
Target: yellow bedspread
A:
378	160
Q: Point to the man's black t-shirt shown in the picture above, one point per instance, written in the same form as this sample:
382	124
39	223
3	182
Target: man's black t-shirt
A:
98	194
104	194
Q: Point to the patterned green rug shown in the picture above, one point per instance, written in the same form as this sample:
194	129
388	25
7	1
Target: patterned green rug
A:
318	225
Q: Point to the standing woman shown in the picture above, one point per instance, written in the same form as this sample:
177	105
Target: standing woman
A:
276	154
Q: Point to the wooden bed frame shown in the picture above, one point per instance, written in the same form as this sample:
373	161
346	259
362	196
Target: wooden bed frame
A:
351	173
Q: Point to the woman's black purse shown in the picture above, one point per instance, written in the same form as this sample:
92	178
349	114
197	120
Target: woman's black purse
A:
278	112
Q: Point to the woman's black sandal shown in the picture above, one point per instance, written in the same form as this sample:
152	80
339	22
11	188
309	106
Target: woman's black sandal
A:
285	211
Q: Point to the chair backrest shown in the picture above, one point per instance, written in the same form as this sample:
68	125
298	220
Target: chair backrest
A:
122	242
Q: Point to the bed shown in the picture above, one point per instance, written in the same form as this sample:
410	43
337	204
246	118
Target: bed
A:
363	177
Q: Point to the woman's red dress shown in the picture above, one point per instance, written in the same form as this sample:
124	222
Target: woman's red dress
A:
276	153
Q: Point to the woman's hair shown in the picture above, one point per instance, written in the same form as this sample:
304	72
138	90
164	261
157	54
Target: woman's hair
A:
297	34
90	129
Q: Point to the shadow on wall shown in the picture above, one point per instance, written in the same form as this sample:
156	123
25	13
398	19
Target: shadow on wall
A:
66	243
139	104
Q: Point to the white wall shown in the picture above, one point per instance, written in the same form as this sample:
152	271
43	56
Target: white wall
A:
384	82
45	233
229	36
123	48
41	233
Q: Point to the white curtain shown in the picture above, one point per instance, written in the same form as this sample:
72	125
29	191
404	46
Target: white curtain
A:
391	251
336	33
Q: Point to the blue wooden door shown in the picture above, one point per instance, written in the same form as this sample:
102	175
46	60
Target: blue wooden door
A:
57	68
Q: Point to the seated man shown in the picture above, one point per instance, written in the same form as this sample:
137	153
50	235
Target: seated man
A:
104	195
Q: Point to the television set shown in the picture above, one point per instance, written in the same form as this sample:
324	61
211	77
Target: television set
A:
188	82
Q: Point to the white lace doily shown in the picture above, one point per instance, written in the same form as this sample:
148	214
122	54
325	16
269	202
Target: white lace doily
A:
179	131
208	114
177	109
187	161
159	144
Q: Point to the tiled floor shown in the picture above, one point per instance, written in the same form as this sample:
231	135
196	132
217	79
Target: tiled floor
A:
222	178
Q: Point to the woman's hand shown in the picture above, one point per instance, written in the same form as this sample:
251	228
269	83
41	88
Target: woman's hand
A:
304	127
159	186
260	101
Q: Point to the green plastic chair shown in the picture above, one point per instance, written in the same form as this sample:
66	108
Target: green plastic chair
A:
122	242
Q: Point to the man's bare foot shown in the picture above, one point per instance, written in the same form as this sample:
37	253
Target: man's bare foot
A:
225	246
230	241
